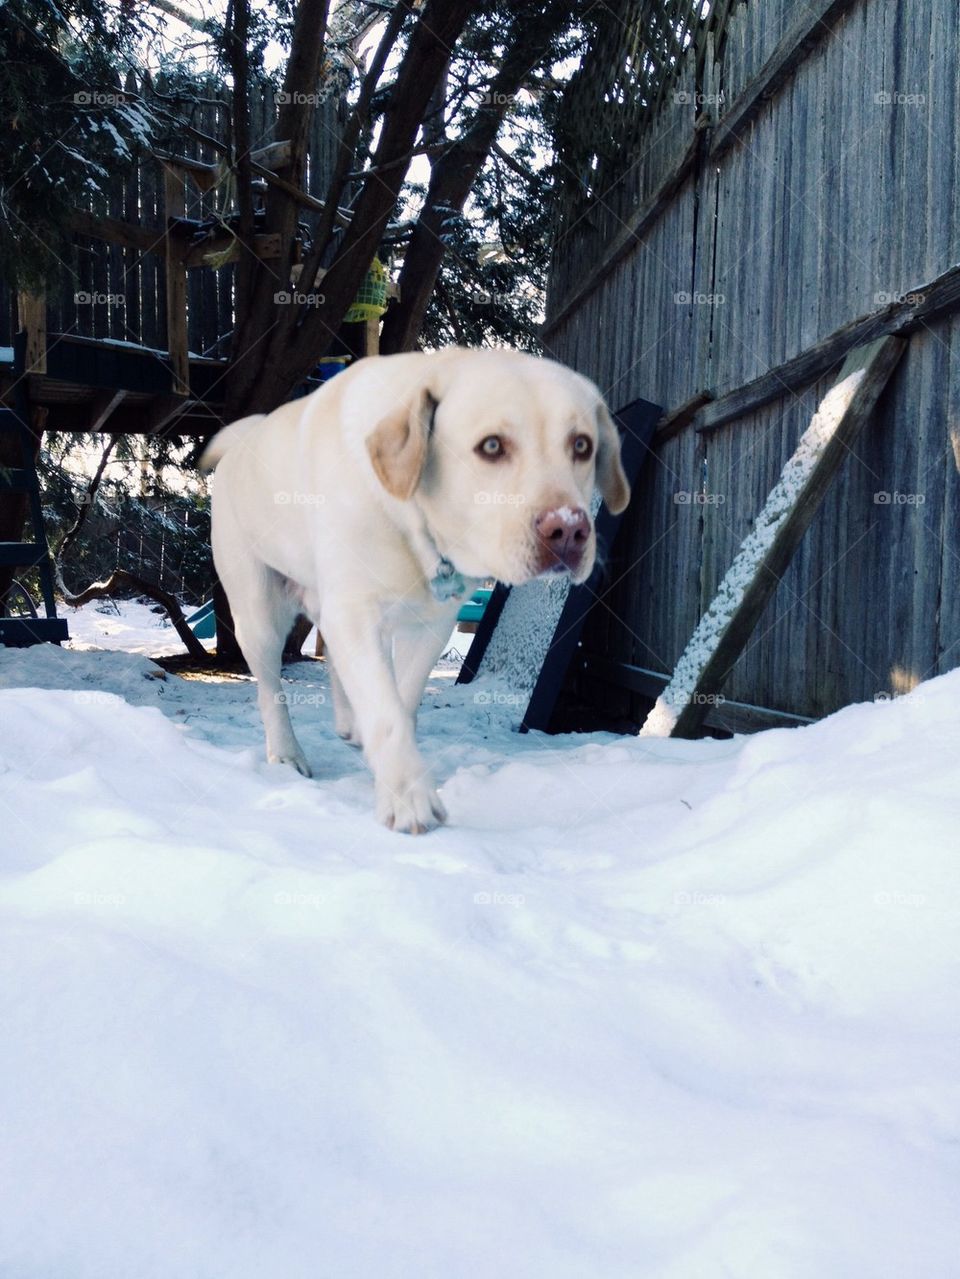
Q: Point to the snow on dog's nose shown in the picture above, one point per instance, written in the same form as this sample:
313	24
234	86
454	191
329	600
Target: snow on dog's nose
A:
562	534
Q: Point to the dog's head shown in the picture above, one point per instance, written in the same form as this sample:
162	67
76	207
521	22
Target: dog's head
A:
502	452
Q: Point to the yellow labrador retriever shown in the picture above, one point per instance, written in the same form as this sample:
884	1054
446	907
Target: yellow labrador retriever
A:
375	504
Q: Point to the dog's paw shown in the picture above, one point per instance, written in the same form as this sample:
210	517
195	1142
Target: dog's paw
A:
344	721
296	759
411	810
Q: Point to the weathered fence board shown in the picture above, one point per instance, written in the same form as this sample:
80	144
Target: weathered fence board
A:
837	198
731	618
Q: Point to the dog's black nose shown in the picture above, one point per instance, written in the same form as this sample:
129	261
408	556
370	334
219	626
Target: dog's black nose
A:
563	533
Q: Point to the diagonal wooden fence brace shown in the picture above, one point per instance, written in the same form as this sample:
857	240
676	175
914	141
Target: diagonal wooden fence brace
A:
725	628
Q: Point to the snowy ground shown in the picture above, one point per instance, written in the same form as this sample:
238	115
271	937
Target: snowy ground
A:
644	1009
127	626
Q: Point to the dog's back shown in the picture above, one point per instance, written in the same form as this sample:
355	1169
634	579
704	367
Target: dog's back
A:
225	439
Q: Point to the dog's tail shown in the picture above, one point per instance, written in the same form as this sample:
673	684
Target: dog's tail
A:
225	439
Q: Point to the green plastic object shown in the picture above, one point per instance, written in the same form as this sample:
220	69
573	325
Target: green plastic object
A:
474	608
203	622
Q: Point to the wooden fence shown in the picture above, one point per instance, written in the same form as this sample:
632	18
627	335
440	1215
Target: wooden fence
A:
793	199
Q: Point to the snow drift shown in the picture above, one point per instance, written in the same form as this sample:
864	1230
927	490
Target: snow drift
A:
646	1008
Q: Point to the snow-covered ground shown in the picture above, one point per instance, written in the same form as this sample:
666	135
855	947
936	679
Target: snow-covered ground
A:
127	626
130	626
646	1009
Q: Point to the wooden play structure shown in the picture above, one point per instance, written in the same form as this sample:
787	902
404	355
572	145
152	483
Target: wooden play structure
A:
133	336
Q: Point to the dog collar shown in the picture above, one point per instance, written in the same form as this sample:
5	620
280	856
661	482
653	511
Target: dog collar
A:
447	583
443	578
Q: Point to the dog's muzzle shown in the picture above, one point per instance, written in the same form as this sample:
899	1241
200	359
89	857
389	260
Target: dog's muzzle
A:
563	535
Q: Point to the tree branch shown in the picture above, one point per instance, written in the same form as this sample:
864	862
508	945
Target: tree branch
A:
347	150
91	492
512	162
204	26
451	180
424	63
292	343
237	33
121	584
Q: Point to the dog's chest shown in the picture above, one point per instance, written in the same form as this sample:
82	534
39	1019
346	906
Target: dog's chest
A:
416	607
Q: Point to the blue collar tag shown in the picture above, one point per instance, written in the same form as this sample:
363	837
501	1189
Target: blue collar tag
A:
447	583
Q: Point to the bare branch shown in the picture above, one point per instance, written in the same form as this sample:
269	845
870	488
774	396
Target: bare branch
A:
121	584
205	26
513	163
351	135
91	492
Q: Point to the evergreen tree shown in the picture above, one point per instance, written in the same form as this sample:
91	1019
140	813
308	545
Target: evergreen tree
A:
66	124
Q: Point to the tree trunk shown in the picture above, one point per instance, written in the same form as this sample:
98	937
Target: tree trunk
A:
452	178
228	650
293	646
258	283
281	344
88	498
276	346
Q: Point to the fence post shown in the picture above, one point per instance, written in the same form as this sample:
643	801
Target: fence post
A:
175	206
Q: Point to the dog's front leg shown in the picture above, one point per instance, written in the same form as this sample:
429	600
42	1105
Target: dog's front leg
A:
405	796
416	650
344	720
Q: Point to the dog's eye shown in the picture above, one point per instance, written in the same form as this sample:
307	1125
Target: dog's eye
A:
582	447
492	447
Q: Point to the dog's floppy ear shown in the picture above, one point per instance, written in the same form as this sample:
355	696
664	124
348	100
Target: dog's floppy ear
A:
398	445
611	478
